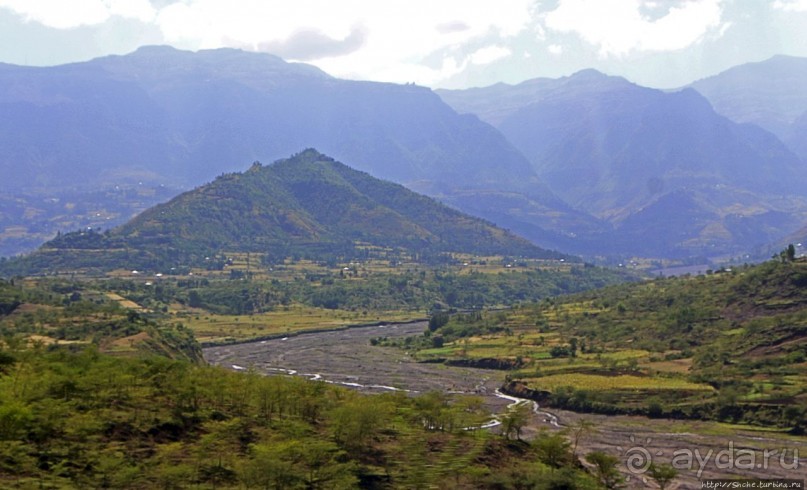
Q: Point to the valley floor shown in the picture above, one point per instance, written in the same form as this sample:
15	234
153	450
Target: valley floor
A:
698	449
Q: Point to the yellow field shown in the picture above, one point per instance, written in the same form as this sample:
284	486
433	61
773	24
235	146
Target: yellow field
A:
218	328
681	366
561	365
620	355
610	383
123	302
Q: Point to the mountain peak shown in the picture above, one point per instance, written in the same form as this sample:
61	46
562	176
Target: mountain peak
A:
308	204
786	57
311	155
161	50
588	74
592	77
591	82
160	61
770	93
156	49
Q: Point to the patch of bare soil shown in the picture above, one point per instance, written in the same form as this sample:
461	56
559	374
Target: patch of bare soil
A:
131	340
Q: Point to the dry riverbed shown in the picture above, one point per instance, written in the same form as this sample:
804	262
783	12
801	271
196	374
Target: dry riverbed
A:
699	449
346	357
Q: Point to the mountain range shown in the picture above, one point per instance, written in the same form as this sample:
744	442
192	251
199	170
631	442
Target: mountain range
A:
160	116
183	118
590	164
308	205
771	94
664	170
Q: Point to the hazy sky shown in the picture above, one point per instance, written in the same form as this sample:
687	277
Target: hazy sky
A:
438	43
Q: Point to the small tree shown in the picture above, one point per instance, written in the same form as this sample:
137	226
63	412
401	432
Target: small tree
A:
787	255
438	320
553	449
515	419
605	469
663	474
580	430
573	347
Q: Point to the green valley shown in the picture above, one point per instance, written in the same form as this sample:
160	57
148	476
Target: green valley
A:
99	391
403	245
104	381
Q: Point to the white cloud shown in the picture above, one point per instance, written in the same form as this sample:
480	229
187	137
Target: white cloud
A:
62	14
618	27
369	39
404	22
489	54
133	9
791	5
398	34
555	49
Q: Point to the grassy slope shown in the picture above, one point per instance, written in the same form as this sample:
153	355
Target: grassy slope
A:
60	313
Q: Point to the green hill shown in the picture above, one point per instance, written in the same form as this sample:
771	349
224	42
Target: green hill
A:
308	205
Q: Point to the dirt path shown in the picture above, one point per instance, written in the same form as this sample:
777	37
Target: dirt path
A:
701	449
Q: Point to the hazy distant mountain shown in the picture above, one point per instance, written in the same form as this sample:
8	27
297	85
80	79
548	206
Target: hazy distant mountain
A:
308	205
496	102
796	137
186	117
609	147
771	93
586	163
29	219
178	118
670	174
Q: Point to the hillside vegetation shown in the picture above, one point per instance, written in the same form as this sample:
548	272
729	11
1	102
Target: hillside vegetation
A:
89	398
303	233
730	346
233	301
307	206
68	314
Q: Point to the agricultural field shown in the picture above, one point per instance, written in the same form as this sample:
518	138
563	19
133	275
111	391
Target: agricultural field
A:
627	382
729	346
214	329
241	296
259	266
51	314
